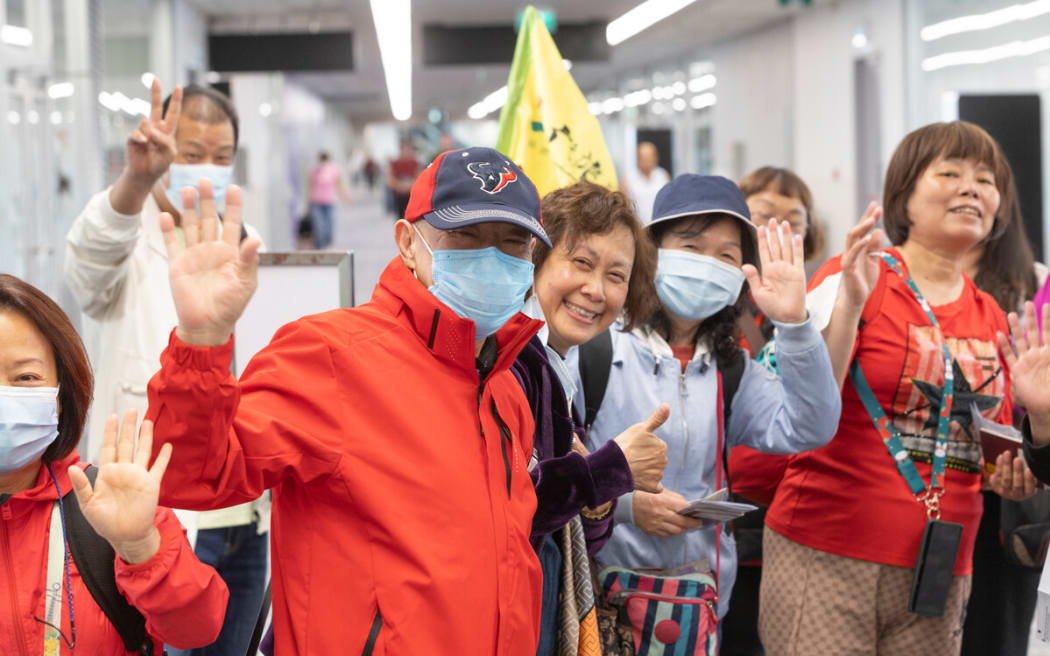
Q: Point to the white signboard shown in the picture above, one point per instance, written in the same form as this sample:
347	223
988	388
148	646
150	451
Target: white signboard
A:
291	286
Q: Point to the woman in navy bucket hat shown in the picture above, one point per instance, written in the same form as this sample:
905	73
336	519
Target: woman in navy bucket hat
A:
707	247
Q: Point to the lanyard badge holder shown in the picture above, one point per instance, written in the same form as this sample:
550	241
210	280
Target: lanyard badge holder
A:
940	541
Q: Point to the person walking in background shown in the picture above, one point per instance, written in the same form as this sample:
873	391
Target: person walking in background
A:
642	183
400	176
326	184
445	142
371	171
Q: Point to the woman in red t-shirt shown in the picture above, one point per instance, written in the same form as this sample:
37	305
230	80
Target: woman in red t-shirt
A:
843	534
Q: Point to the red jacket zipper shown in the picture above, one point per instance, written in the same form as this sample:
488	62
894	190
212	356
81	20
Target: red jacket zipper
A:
20	636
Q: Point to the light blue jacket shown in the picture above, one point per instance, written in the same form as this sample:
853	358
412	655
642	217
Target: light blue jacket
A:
796	412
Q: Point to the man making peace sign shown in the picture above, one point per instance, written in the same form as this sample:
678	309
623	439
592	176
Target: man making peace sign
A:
117	267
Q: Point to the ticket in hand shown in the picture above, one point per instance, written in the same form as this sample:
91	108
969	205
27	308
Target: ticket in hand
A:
716	509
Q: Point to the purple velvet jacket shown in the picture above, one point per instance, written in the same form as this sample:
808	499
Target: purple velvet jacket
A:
565	481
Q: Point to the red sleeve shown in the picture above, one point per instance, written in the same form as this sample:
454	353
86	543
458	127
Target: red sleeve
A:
182	599
755	475
233	440
832	266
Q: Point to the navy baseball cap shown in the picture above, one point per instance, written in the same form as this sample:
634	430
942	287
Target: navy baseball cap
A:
690	195
475	185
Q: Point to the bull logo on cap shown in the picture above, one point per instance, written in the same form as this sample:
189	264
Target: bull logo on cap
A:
492	180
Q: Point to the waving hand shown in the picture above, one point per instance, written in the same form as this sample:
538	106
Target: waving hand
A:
151	146
780	290
212	277
123	501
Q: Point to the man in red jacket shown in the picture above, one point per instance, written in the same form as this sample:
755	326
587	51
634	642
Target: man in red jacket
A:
393	435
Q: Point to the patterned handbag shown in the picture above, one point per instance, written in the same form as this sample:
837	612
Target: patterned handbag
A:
664	611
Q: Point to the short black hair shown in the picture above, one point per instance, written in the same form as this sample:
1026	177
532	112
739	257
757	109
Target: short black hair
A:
213	99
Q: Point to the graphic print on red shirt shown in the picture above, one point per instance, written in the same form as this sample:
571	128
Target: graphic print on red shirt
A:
848	498
978	381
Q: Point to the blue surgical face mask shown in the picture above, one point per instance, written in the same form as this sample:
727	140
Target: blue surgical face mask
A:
189	175
694	286
484	285
28	425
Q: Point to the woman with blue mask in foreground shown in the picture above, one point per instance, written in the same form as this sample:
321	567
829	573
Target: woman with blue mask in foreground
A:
88	544
686	355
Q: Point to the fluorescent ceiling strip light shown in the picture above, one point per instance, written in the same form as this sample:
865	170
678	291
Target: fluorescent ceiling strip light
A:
488	104
60	90
702	83
636	98
1005	51
703	100
118	102
975	22
16	36
393	20
641	17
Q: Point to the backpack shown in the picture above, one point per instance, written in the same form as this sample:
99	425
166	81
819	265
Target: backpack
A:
596	362
94	558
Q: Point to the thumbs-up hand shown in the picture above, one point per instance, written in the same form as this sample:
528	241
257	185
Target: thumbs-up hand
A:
646	453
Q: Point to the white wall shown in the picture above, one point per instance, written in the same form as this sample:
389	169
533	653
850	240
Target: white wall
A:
1029	74
189	40
756	97
786	98
261	152
824	135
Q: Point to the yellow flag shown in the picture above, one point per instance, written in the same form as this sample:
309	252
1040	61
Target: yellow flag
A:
545	127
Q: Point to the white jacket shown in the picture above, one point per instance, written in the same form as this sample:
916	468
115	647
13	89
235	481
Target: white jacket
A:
117	268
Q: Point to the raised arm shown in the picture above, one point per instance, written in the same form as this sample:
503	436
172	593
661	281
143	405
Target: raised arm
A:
235	439
151	150
860	273
1030	370
183	600
798	410
105	233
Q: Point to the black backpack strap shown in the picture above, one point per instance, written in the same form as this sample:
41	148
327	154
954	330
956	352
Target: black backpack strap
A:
595	364
732	372
94	558
260	623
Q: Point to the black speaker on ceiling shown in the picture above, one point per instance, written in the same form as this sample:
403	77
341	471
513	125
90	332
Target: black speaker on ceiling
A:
283	51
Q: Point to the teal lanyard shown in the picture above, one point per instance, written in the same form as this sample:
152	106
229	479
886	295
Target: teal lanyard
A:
890	435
